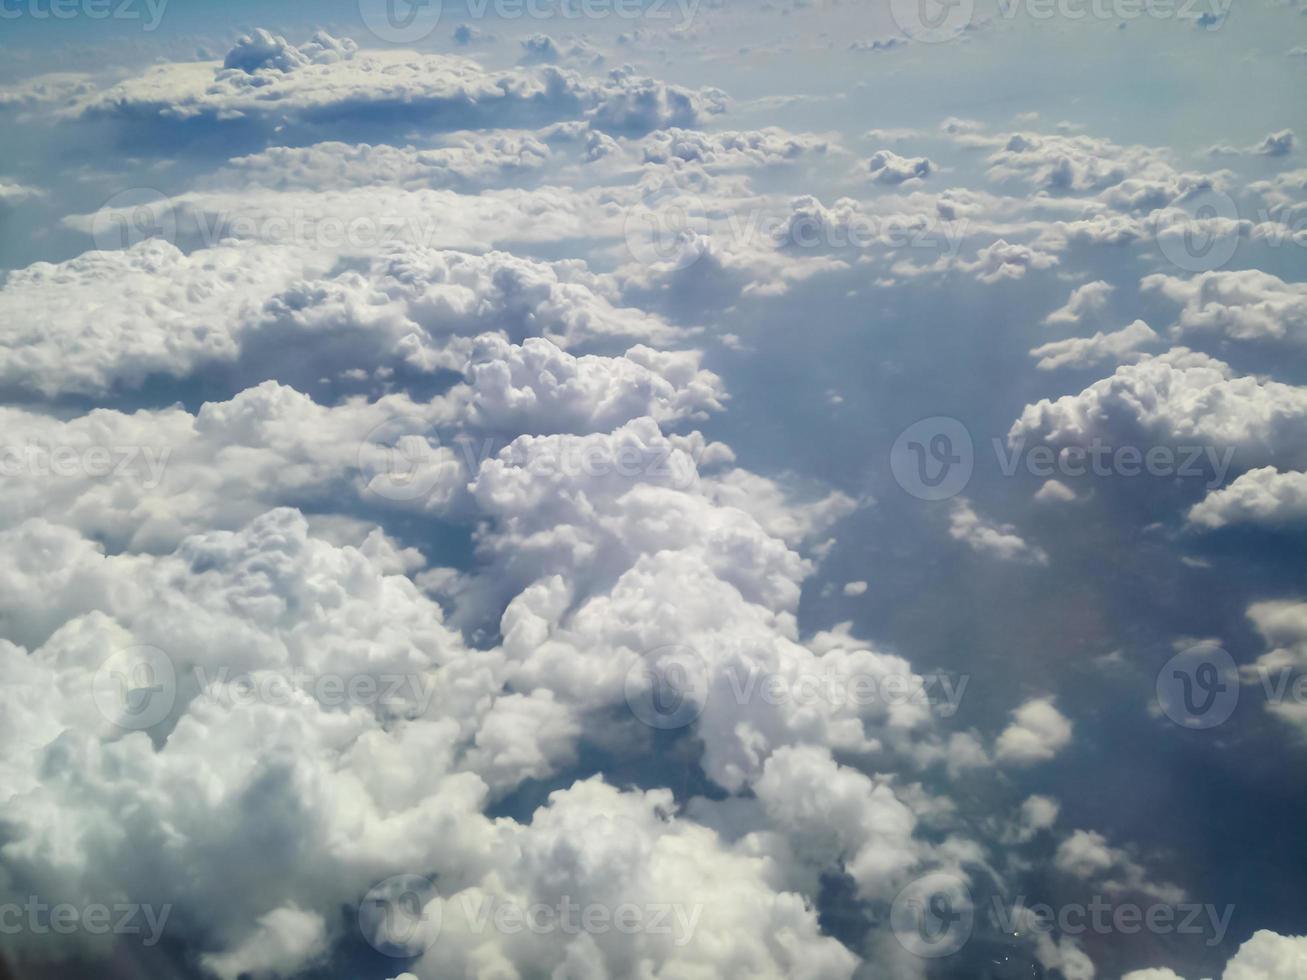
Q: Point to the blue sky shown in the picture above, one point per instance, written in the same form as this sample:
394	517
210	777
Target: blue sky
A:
823	484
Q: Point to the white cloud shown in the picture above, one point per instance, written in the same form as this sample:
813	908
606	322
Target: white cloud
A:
989	538
1038	732
887	167
1054	491
1082	352
1086	300
1180	397
267	80
1243	305
1267	956
157	311
1087	855
1263	496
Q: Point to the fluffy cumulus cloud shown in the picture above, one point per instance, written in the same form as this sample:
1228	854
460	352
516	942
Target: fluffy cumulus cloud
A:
159	311
888	167
1262	496
1243	305
1038	732
1084	300
1264	956
375	540
329	83
1180	397
1080	352
1001	541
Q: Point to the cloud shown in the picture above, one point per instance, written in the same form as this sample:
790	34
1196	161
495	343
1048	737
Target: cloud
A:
1054	491
536	387
1180	397
1282	624
999	541
1263	496
541	49
1263	956
472	162
158	311
1038	813
1277	144
1081	352
1267	956
1246	304
733	149
887	167
1086	300
1038	732
12	193
1003	260
1124	178
327	84
1087	855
